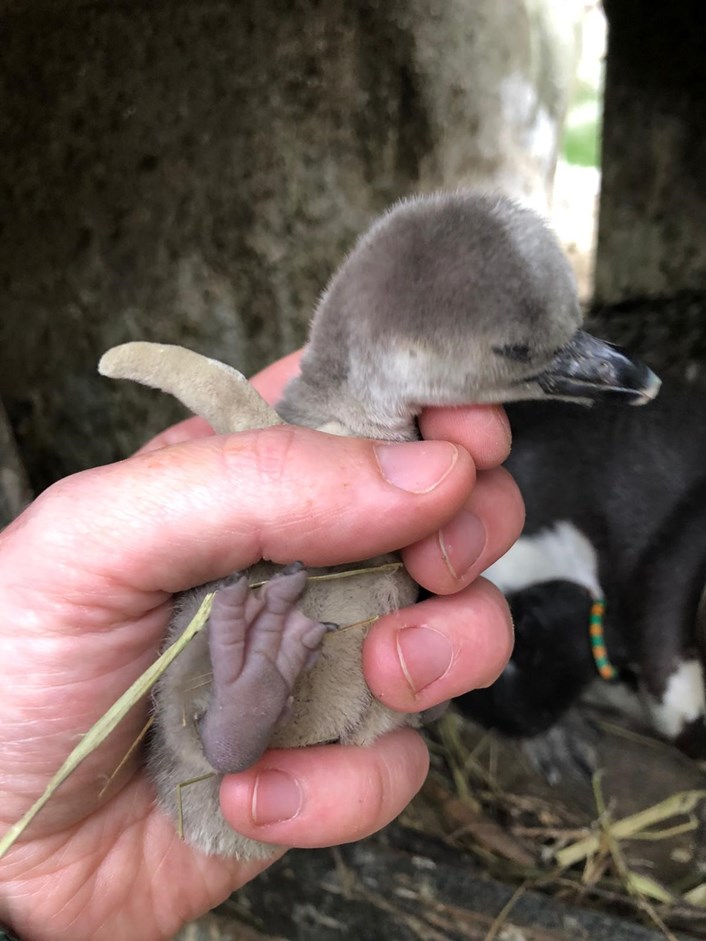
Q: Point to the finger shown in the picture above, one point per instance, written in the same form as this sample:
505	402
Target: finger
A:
194	427
483	430
420	656
489	523
271	380
293	797
170	519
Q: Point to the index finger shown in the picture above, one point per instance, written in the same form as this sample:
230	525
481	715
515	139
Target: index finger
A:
483	430
271	380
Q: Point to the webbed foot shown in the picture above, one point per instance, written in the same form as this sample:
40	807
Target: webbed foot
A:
259	643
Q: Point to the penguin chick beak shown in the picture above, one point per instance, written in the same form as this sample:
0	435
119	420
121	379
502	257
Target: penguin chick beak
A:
592	370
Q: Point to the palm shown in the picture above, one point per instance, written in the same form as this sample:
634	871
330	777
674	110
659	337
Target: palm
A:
168	883
97	837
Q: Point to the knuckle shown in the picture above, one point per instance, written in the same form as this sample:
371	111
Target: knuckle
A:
267	455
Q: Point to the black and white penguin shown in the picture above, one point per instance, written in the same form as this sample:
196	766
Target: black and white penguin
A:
449	299
616	516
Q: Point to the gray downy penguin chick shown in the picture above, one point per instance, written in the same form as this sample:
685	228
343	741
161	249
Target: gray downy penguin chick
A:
258	674
447	300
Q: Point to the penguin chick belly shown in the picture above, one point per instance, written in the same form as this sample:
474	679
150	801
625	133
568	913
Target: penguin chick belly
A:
329	702
344	709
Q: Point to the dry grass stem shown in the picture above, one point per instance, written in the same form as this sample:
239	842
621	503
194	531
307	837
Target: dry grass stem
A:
99	732
681	804
128	754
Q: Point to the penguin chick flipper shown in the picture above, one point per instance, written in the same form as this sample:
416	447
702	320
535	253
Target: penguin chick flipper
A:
258	645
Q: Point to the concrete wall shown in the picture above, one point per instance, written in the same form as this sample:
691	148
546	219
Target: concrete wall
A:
651	239
650	288
192	172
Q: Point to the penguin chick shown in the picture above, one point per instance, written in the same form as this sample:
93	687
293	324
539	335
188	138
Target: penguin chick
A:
451	299
258	675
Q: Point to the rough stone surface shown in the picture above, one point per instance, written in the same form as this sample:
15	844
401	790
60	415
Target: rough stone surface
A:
653	203
403	887
14	489
193	172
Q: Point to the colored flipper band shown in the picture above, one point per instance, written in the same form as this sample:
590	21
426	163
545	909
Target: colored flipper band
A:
600	654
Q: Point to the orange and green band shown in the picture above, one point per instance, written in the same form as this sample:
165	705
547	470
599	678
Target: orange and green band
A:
600	654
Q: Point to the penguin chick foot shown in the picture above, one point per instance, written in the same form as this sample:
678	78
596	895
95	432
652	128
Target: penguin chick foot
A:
259	643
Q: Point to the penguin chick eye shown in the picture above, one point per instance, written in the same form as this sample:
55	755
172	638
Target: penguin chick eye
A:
519	352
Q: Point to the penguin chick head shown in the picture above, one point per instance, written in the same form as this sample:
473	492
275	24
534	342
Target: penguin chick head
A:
451	299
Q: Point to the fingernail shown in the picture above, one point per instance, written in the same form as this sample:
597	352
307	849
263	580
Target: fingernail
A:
276	797
461	542
425	655
416	466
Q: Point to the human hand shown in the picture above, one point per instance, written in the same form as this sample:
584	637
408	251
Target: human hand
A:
86	577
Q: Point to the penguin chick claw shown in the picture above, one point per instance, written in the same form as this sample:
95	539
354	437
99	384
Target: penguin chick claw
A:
259	643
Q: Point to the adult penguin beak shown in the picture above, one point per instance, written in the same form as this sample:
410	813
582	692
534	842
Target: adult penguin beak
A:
589	369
